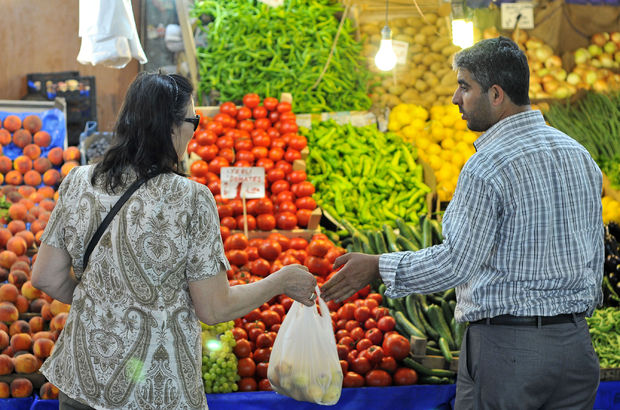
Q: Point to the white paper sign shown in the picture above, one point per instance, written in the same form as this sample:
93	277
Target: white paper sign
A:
510	12
251	179
400	49
273	3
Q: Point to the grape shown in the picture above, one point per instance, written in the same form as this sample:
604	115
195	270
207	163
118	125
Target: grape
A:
219	363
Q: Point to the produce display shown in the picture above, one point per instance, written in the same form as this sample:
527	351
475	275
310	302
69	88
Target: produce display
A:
252	47
219	363
596	67
364	175
427	79
262	134
611	279
443	141
605	332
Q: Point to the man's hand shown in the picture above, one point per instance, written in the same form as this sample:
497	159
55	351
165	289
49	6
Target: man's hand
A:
358	271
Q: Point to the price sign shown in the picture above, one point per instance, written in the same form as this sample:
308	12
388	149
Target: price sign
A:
400	49
273	3
251	179
524	11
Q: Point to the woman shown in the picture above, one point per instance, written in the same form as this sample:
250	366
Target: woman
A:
132	338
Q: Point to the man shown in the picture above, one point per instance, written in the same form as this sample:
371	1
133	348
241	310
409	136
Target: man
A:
523	245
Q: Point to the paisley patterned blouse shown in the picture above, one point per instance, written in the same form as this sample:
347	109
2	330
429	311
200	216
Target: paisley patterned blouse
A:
132	338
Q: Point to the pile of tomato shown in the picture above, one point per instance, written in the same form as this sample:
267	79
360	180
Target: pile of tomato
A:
255	135
369	348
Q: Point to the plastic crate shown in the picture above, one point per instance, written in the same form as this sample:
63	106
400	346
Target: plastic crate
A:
609	374
89	137
37	82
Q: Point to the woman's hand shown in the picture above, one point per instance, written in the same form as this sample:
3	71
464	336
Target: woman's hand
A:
298	283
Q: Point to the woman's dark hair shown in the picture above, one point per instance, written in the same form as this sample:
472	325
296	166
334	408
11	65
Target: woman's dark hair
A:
497	61
143	133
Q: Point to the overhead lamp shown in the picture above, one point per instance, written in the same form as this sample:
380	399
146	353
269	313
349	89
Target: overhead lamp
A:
462	27
385	60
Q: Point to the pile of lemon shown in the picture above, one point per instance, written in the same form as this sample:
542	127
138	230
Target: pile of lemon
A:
611	210
442	139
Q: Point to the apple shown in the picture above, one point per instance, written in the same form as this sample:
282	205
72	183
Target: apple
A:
610	47
615	37
594	50
600	39
573	78
581	55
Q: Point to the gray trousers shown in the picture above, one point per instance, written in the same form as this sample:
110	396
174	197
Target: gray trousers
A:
527	367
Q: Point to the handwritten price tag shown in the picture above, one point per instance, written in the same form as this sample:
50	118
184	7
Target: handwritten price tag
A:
400	49
251	179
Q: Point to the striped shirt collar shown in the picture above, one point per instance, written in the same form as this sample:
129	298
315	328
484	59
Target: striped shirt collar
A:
525	119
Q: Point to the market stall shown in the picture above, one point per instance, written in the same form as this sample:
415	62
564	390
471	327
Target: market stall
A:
315	151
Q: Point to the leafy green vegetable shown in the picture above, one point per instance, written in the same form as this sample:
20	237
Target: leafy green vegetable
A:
254	48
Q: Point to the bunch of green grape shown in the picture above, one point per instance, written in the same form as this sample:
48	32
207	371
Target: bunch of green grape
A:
219	363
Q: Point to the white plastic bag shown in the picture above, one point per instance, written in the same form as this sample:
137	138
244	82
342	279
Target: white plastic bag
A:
109	34
304	360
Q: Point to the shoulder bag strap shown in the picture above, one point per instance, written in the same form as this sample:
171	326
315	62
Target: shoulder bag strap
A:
117	206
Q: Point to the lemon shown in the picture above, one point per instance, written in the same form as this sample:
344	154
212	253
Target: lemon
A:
410	132
422	143
461	146
469	137
460	124
446	155
394	125
437	111
435	162
448	143
434	149
418	123
458	159
448	120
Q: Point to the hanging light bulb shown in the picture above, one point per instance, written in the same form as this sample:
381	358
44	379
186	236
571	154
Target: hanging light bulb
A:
462	33
385	59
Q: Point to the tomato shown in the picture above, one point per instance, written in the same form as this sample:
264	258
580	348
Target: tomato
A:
239	333
342	351
244	113
246	367
386	323
270	317
305	202
261	140
192	145
286	220
344	365
379	312
284	107
304	188
242	348
363	344
238	240
346	311
264	385
286	206
376	297
243	155
243	144
279	186
318	266
362	314
405	376
259	112
396	346
260	152
199	168
375	335
298	244
224	232
246	125
264	206
262	355
319	247
251	100
265	163
217	164
284	196
216	127
260	267
251	221
229	108
261	369
370	303
237	257
208	152
378	378
341	333
388	363
287	127
270	103
352	379
284	242
376	354
276	141
262	124
274	174
291	155
368	324
247	384
226	120
288	116
357	333
360	365
351	324
287	167
228	154
252	252
266	222
276	154
264	340
269	249
205	137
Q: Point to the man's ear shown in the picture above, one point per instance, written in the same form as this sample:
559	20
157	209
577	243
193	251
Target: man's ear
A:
496	95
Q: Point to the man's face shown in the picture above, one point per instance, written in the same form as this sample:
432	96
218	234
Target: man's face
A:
473	103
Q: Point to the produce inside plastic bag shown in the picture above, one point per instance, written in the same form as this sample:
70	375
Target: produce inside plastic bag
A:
304	361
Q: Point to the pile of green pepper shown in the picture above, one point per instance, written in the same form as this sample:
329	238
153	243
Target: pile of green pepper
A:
255	48
363	175
605	332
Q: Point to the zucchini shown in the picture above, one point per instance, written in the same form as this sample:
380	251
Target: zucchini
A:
436	231
380	243
412	312
390	238
433	350
381	289
417	233
399	305
449	294
352	230
445	349
427	238
422	370
438	322
434	380
405	230
430	331
447	312
452	304
407	326
406	244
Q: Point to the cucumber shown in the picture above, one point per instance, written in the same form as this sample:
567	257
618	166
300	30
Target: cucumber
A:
407	326
380	243
434	380
381	289
447	312
333	236
445	349
406	244
405	230
367	249
390	238
417	234
449	295
430	331
438	322
352	230
452	304
422	370
427	238
432	343
432	350
357	244
459	331
435	298
399	304
436	231
412	312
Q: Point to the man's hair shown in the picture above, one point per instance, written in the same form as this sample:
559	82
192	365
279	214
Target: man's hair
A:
143	134
497	61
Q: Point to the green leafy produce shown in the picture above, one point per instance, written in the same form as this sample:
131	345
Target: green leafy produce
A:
364	175
594	121
219	363
254	48
605	332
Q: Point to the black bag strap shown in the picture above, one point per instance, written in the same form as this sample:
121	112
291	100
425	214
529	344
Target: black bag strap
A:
104	224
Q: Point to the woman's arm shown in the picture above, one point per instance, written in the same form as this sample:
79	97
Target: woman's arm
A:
215	301
51	273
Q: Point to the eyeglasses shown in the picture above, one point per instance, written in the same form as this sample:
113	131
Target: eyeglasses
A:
195	121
